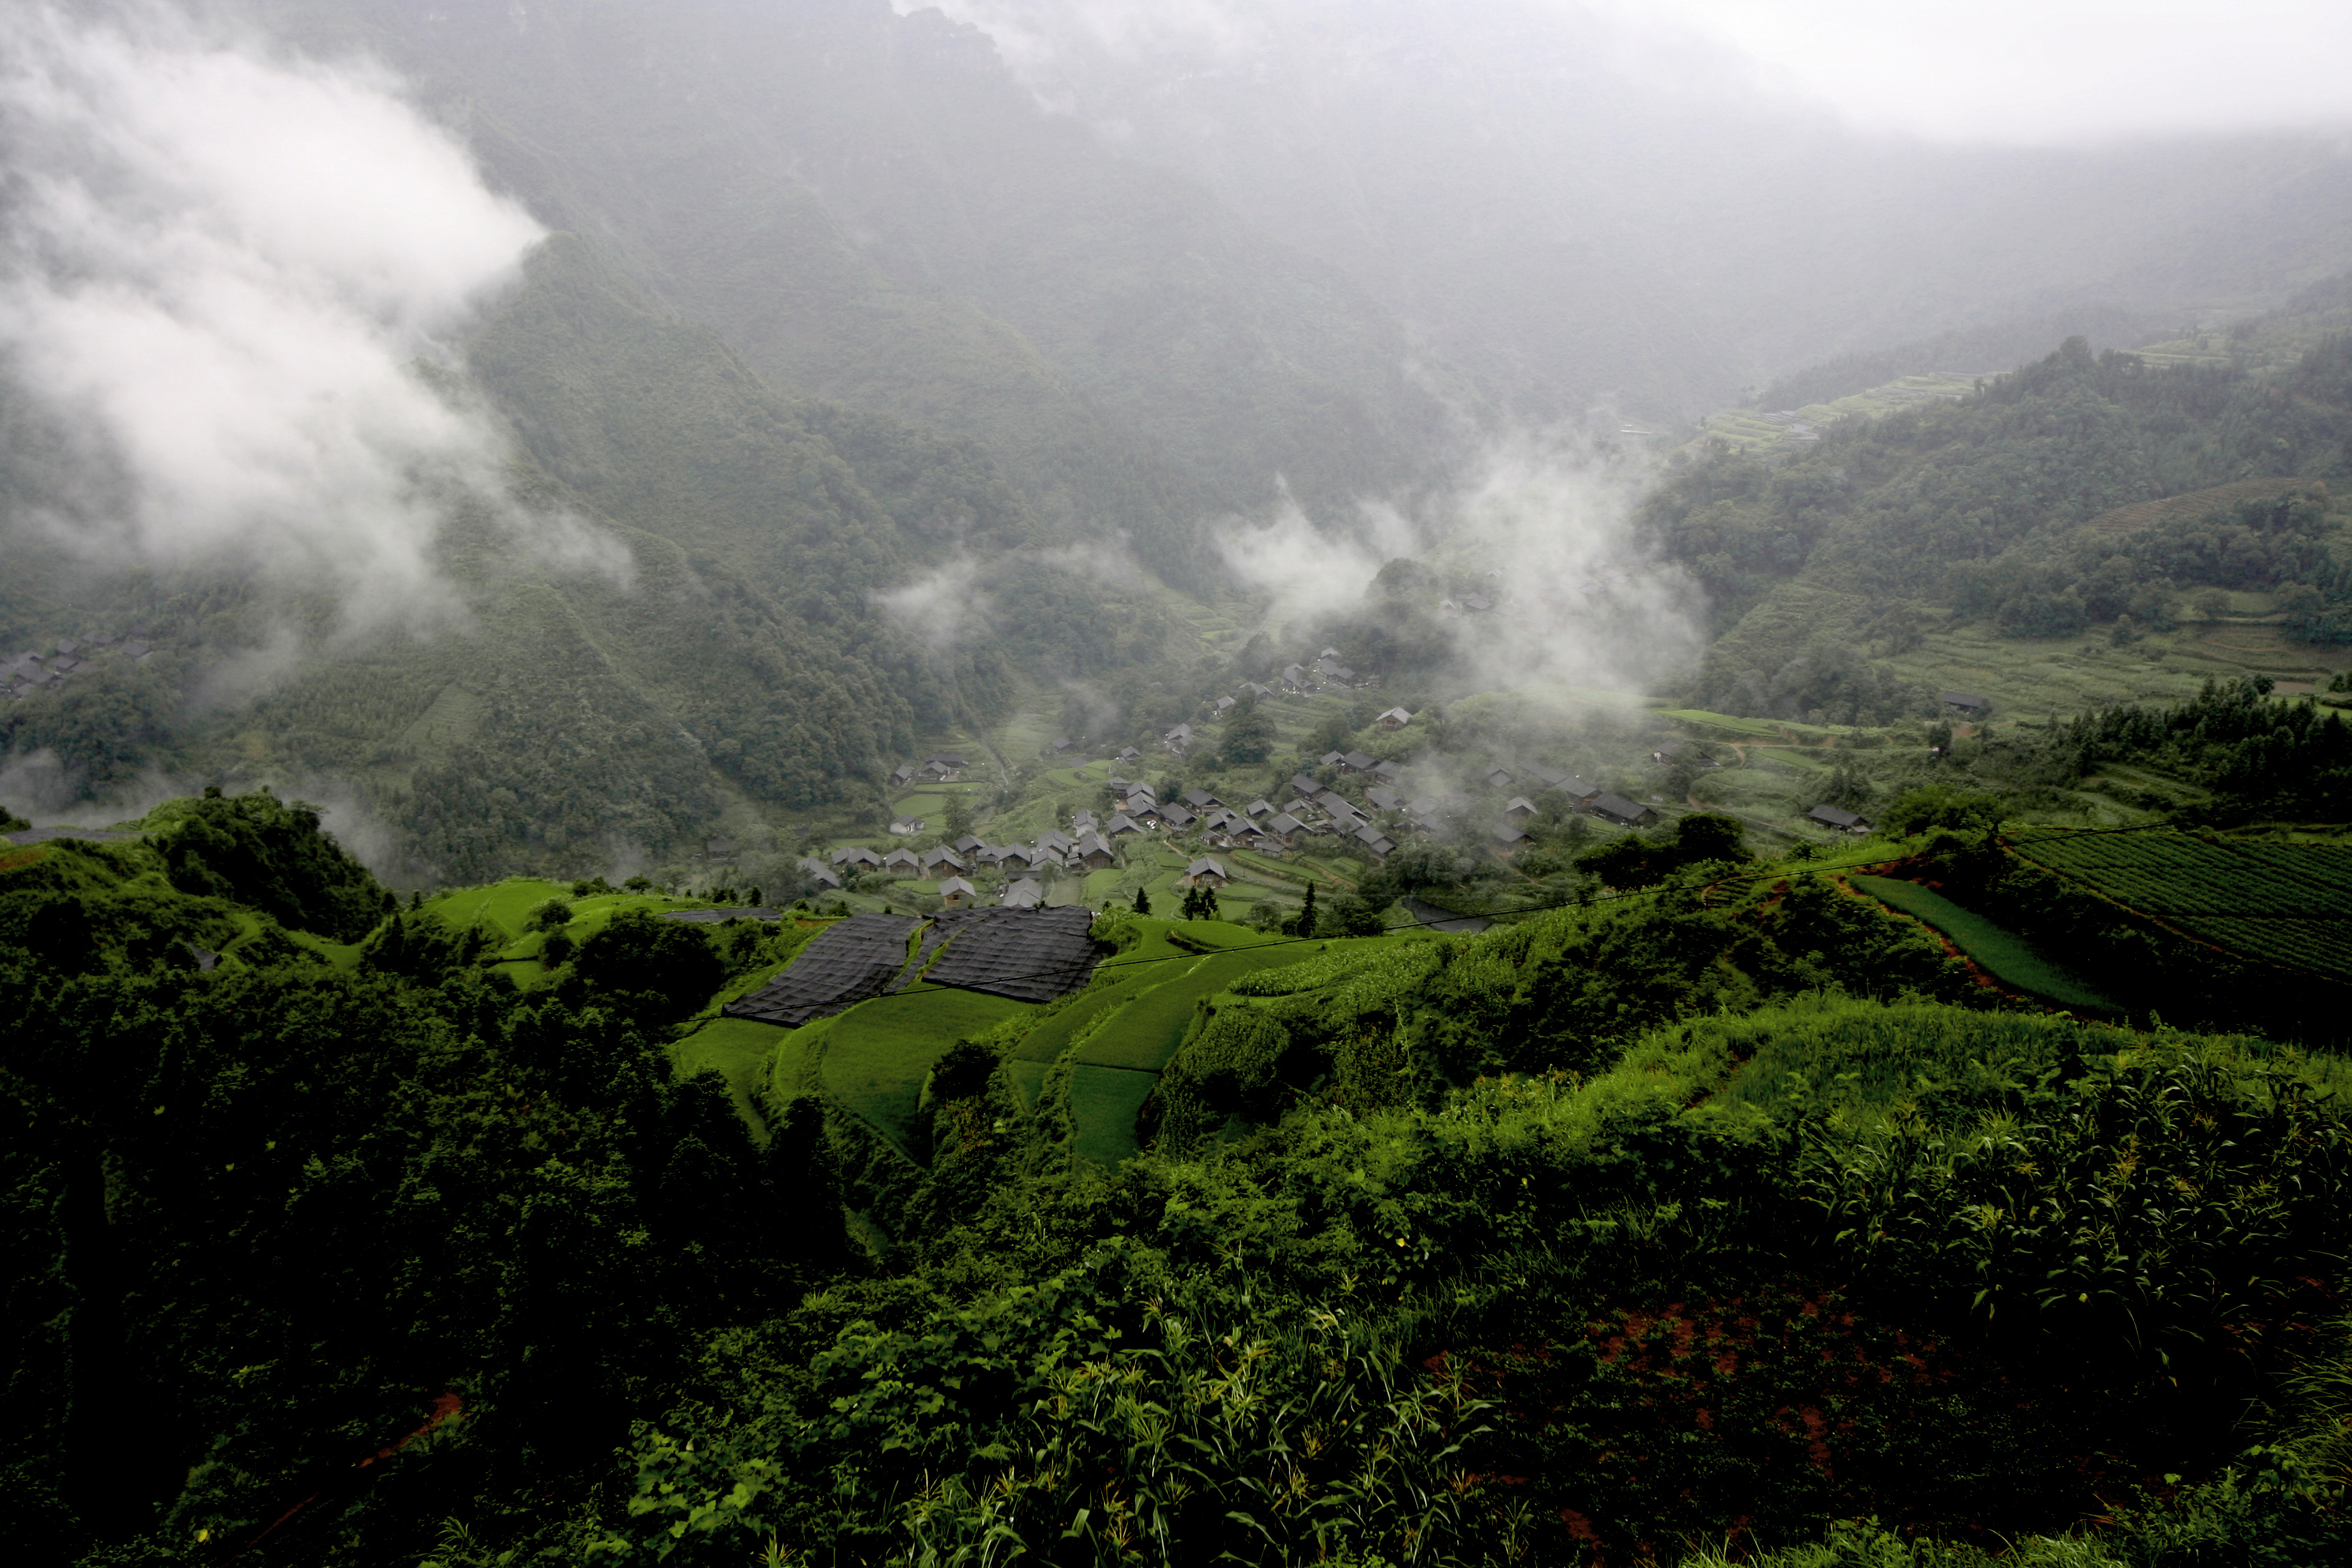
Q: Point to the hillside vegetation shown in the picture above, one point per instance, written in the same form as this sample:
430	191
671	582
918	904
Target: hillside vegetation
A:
1711	1211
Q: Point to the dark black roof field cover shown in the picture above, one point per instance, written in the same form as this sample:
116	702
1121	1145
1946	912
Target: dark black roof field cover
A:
698	917
843	964
1029	955
935	936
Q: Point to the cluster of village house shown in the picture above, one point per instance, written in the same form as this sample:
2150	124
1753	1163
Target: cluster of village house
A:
1315	811
44	669
1312	812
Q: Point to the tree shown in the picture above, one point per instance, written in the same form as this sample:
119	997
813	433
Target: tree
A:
1249	735
1304	924
1143	901
1200	903
1940	805
1711	835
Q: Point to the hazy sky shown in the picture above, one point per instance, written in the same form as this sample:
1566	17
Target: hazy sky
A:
1988	70
2033	70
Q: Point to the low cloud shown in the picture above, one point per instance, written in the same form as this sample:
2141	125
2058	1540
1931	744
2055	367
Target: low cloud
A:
944	608
1308	572
1551	584
226	276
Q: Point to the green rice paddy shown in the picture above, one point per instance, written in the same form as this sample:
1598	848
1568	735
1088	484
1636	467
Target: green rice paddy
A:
1103	1104
742	1049
877	1053
1998	950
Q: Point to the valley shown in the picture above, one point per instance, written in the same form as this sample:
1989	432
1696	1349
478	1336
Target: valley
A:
1044	782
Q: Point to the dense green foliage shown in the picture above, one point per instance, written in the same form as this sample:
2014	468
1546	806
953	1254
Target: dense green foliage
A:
1692	1215
1814	560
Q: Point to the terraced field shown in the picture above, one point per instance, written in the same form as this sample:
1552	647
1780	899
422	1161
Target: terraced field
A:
2282	903
1998	950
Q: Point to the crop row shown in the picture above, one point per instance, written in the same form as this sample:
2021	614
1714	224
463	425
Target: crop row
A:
2324	947
2166	874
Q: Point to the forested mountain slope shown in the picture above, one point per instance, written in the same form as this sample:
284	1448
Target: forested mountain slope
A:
566	717
1583	213
1835	549
867	207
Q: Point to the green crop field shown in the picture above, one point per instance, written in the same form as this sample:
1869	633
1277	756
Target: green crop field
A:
1104	1103
2282	903
1147	1031
1049	1040
876	1054
1998	952
741	1049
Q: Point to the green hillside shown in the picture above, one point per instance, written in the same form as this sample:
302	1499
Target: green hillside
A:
1697	1211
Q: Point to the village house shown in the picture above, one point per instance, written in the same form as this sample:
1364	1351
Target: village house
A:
1395	719
1498	776
941	858
1082	819
968	845
1372	839
1025	894
902	863
1383	798
1967	703
859	855
1550	778
955	892
903	774
1302	785
1177	818
1095	853
1121	823
1129	754
1519	808
1296	679
1205	873
1200	799
906	826
1616	808
1054	842
823	875
1222	706
1252	688
1578	790
1388	773
1831	816
1259	807
1179	738
719	848
1510	836
1359	762
1282	828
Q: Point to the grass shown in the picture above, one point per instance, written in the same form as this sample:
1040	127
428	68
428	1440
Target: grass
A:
1104	1103
1049	1040
876	1054
1998	952
1861	1058
507	906
741	1049
1147	1031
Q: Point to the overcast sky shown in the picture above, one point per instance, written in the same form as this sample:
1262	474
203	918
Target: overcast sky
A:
2030	71
2035	70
